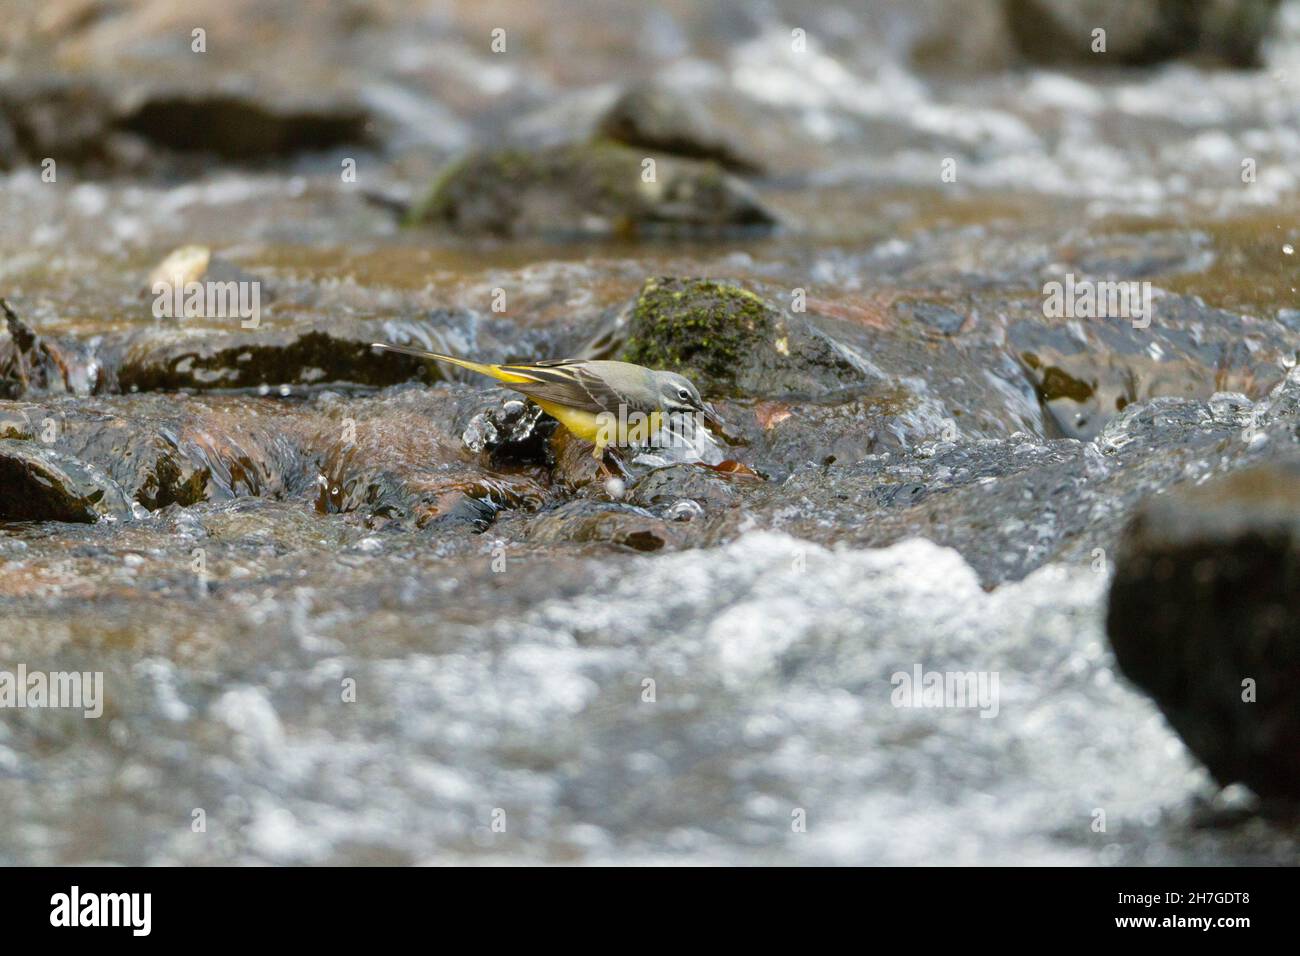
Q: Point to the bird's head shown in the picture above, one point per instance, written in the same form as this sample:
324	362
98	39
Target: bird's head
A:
678	396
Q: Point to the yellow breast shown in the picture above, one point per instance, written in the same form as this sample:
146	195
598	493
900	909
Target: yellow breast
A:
589	426
583	424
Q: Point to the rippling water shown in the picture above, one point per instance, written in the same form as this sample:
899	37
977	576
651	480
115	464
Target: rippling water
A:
390	647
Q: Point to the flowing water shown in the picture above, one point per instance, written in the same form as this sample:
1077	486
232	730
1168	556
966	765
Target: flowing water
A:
357	609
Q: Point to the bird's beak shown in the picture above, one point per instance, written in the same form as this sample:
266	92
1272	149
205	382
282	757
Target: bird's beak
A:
711	417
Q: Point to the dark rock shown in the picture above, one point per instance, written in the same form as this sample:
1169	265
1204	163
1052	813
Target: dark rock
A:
75	120
275	353
1141	32
510	429
654	117
587	189
1205	616
241	129
40	484
8	143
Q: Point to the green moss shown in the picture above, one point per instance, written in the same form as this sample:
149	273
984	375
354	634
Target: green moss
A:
706	330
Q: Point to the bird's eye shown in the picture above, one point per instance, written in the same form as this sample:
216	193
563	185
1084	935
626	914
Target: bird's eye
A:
684	395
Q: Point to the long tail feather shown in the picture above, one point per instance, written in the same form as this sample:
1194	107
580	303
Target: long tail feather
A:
492	371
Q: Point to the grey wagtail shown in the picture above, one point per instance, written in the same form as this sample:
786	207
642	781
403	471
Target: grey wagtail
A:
586	396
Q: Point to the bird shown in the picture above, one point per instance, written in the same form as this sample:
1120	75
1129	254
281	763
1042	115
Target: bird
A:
595	399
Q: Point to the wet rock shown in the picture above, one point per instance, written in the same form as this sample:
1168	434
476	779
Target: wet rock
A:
1141	31
657	118
40	484
1087	370
1008	505
664	489
588	189
161	450
77	120
597	522
574	468
306	353
935	317
144	458
1204	615
777	437
400	456
31	365
511	430
729	340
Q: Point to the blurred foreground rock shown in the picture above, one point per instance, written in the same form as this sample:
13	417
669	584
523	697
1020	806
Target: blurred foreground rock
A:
1205	616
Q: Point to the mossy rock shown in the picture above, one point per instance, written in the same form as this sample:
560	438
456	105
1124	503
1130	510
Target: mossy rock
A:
595	188
730	340
704	329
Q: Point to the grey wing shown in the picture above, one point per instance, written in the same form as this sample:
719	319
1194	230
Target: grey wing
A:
566	383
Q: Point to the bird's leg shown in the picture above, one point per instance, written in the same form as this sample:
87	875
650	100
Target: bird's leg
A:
623	471
598	453
604	454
